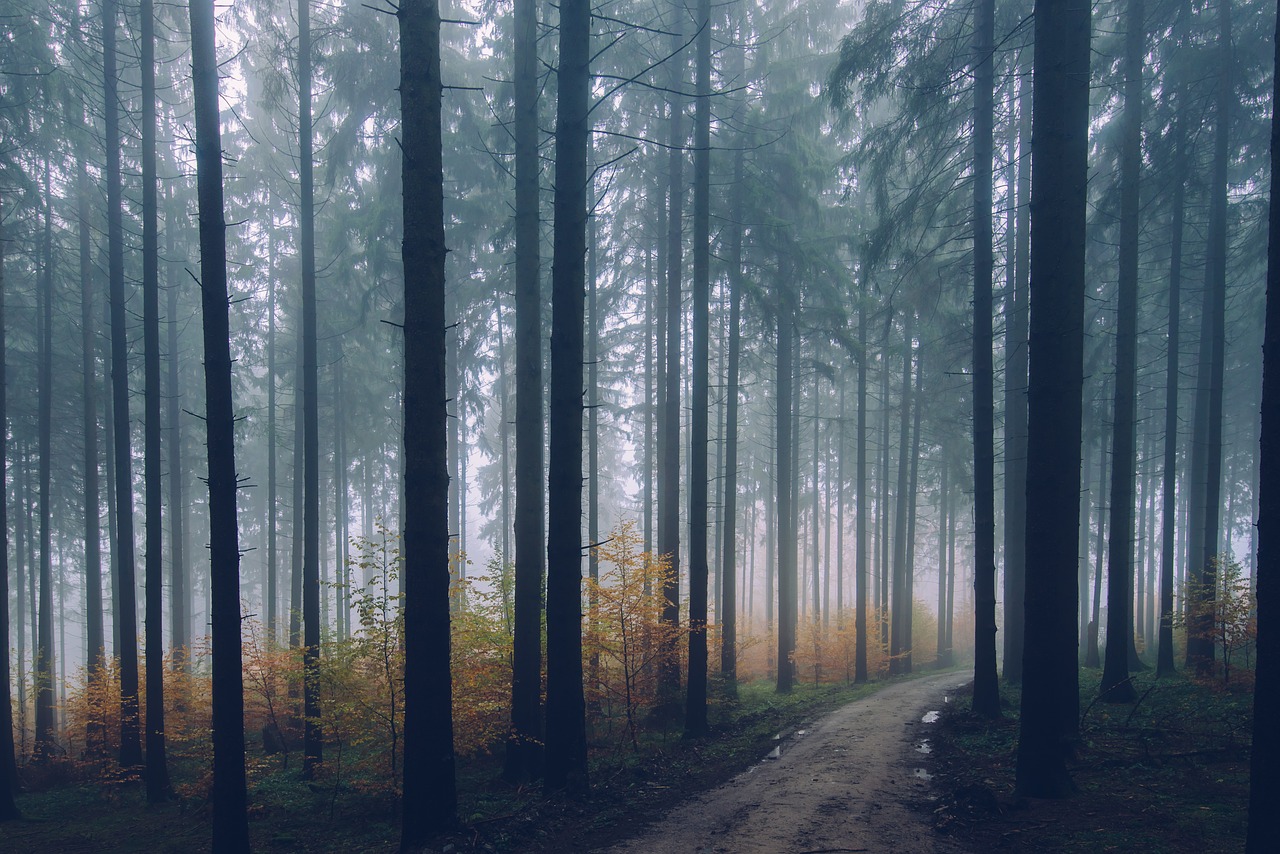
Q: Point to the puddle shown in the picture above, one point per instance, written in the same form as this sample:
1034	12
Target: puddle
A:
924	747
921	774
946	699
776	753
930	718
801	732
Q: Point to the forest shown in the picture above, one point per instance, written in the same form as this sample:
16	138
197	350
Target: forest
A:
451	425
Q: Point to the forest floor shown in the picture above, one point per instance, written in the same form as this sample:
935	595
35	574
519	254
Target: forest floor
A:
826	768
1169	774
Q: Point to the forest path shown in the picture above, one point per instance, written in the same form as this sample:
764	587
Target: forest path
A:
842	785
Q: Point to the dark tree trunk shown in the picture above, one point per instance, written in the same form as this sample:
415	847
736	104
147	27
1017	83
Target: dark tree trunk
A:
1116	687
899	605
669	475
986	686
695	722
126	602
729	532
272	518
44	663
295	533
313	740
95	737
882	506
1169	485
1091	656
566	752
230	819
1264	781
157	772
944	658
864	509
784	484
1050	692
430	793
524	744
8	761
913	496
1015	405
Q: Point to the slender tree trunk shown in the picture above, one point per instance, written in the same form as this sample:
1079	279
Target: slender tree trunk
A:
1169	484
986	687
784	484
882	506
695	722
126	604
913	495
1116	687
430	793
46	725
864	508
1060	127
8	760
943	652
524	743
899	641
273	593
1092	658
729	531
230	819
157	772
295	556
566	750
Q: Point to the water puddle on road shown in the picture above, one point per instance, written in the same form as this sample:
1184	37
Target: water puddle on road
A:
924	747
922	774
930	718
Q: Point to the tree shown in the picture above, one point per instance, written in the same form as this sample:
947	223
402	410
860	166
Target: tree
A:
524	743
157	772
230	818
1116	687
566	750
784	484
695	723
44	664
1059	171
986	688
313	742
125	600
1264	781
430	794
8	761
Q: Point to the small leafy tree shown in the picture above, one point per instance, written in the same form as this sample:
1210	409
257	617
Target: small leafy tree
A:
1223	612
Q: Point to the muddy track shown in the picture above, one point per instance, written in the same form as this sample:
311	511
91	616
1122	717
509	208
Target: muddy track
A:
842	785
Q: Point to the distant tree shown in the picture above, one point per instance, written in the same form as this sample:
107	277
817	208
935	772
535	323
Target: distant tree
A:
1059	163
230	818
45	689
784	485
430	793
8	761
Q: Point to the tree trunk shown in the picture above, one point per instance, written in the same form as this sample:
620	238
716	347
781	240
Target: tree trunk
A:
1060	128
430	792
46	736
695	722
784	484
986	687
729	531
864	509
566	745
272	520
230	819
524	744
126	604
8	761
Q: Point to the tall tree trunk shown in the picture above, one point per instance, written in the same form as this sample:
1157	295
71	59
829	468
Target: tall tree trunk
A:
1169	476
1091	656
566	756
157	772
44	665
1264	781
695	722
729	531
126	608
1060	148
272	520
882	506
1015	403
986	686
913	496
430	793
669	476
899	641
784	484
944	659
230	819
8	760
1116	687
864	509
313	740
295	556
524	743
95	736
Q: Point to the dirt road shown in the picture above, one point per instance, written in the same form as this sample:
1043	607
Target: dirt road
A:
841	786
